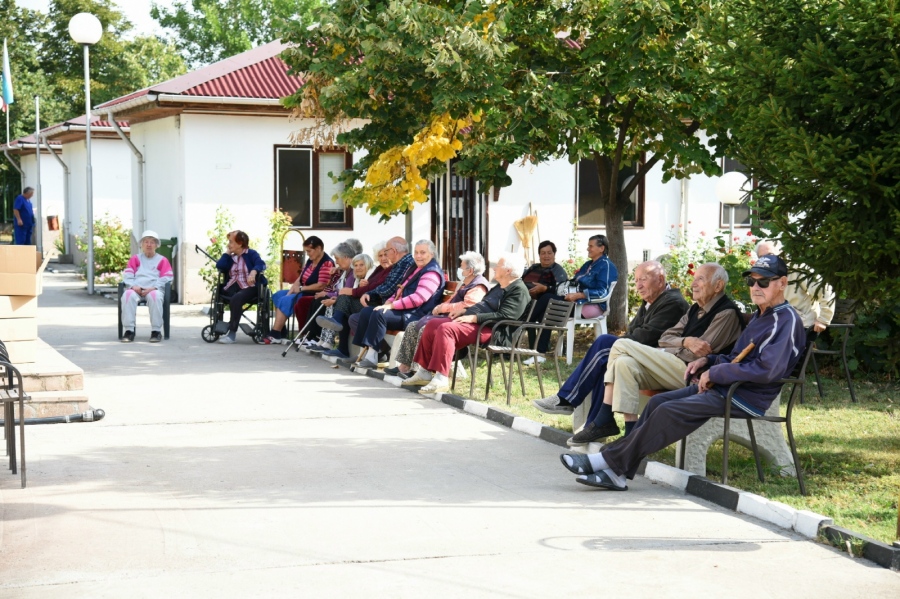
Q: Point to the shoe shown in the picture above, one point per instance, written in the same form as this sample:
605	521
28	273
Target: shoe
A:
226	340
367	364
392	371
432	388
270	340
416	381
326	322
553	405
336	353
580	463
591	432
318	349
155	337
600	479
346	361
403	375
530	361
128	337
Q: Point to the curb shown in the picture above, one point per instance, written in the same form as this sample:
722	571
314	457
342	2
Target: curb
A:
803	522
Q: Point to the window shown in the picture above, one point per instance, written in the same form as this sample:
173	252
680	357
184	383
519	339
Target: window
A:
304	190
589	207
742	211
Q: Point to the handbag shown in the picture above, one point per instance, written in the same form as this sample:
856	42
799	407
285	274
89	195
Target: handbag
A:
566	287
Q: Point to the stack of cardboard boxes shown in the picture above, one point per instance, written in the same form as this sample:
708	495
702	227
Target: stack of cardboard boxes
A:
21	268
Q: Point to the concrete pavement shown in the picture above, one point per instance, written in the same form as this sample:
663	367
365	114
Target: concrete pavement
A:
227	471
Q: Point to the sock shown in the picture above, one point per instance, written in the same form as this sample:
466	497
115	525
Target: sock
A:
371	356
275	334
231	335
424	375
562	400
629	426
596	460
605	415
439	379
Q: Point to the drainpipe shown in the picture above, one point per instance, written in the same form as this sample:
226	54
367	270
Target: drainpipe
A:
67	223
142	207
39	196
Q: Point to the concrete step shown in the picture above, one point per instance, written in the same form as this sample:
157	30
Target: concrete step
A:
55	403
50	372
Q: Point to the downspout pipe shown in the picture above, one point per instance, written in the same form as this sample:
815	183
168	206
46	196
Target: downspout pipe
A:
67	223
142	207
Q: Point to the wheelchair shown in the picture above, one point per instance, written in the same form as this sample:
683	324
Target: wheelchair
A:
256	328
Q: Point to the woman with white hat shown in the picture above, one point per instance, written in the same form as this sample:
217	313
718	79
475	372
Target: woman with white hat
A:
144	277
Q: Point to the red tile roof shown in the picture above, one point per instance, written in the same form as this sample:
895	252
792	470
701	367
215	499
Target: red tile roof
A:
257	73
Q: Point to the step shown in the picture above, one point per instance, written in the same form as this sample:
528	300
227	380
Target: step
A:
55	403
50	372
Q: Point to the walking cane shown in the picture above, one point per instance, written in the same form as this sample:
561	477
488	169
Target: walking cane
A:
302	332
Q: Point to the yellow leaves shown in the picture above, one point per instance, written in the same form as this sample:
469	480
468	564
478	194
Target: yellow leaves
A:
394	182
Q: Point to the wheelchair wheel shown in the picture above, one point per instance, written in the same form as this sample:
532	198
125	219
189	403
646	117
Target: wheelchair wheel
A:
258	336
208	334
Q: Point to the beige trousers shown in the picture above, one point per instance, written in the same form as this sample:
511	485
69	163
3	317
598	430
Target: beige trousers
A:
633	366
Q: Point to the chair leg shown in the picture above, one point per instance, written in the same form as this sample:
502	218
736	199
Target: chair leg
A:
793	444
537	366
725	439
759	469
453	381
570	341
846	367
816	371
473	362
681	459
509	381
522	378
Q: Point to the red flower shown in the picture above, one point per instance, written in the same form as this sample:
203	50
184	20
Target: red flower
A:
691	272
749	233
691	265
749	253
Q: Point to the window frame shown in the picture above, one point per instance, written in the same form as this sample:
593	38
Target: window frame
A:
315	199
640	204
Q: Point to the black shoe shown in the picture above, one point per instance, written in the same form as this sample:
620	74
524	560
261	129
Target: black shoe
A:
155	337
128	337
392	371
591	432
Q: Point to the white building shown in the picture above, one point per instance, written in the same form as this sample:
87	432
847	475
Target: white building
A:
219	136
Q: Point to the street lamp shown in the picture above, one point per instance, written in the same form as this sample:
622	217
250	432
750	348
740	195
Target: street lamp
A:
730	191
86	30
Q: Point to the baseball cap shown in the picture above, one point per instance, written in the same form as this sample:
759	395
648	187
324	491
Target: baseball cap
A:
769	265
150	233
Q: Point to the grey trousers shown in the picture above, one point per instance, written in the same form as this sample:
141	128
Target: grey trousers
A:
130	301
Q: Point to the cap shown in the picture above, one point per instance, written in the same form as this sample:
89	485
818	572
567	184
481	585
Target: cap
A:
769	265
150	233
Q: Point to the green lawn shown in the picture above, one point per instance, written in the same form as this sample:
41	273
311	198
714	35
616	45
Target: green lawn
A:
850	452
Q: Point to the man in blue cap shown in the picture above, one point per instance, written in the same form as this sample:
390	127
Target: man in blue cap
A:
23	212
766	352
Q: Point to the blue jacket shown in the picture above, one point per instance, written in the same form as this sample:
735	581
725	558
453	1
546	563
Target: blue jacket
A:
251	259
779	340
594	278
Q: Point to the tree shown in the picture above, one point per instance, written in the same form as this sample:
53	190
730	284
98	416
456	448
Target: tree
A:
813	89
617	81
207	31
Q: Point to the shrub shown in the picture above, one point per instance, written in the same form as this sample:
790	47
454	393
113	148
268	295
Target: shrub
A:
218	244
575	259
279	222
112	249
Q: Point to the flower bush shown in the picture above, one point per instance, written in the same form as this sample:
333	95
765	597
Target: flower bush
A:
575	259
112	249
218	244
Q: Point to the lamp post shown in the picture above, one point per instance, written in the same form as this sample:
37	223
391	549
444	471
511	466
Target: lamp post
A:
86	30
729	191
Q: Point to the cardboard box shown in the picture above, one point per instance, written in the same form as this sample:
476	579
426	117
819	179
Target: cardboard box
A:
18	306
21	269
21	352
18	329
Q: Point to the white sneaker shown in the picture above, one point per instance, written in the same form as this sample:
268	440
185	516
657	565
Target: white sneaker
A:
530	361
226	339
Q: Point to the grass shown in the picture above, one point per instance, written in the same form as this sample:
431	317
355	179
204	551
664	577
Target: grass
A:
850	452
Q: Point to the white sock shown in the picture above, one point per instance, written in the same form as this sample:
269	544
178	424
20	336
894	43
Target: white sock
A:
597	462
371	356
440	379
423	375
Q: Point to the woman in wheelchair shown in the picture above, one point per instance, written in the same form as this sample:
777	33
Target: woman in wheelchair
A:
242	268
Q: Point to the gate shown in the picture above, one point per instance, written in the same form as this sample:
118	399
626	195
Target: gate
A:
459	219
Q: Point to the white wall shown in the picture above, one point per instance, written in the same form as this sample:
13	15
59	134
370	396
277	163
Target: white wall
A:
52	196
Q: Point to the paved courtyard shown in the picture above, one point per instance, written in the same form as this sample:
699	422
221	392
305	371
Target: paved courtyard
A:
227	471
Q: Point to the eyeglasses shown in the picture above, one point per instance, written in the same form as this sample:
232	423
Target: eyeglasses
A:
763	283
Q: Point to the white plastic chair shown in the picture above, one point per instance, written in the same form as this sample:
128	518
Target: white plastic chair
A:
599	322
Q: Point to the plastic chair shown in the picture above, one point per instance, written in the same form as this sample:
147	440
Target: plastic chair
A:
599	322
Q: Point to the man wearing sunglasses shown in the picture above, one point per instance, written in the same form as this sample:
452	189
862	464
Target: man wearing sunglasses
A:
766	351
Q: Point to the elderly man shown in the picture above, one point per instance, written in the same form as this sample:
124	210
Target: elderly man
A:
766	351
23	212
710	326
145	276
398	253
815	305
661	309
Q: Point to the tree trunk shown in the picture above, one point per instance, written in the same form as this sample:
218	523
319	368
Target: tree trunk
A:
614	206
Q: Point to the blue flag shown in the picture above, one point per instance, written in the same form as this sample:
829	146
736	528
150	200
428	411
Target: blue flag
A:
7	78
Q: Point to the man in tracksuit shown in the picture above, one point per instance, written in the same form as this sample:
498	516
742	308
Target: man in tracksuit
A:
776	338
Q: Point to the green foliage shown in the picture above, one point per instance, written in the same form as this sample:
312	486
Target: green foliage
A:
812	89
627	84
218	245
279	223
576	258
206	31
60	242
872	345
112	249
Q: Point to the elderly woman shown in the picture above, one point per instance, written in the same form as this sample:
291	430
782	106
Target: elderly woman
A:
442	337
545	275
244	269
145	276
343	254
349	302
591	282
361	268
418	293
313	279
472	290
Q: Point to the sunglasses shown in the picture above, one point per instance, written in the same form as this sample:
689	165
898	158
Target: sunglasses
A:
763	283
